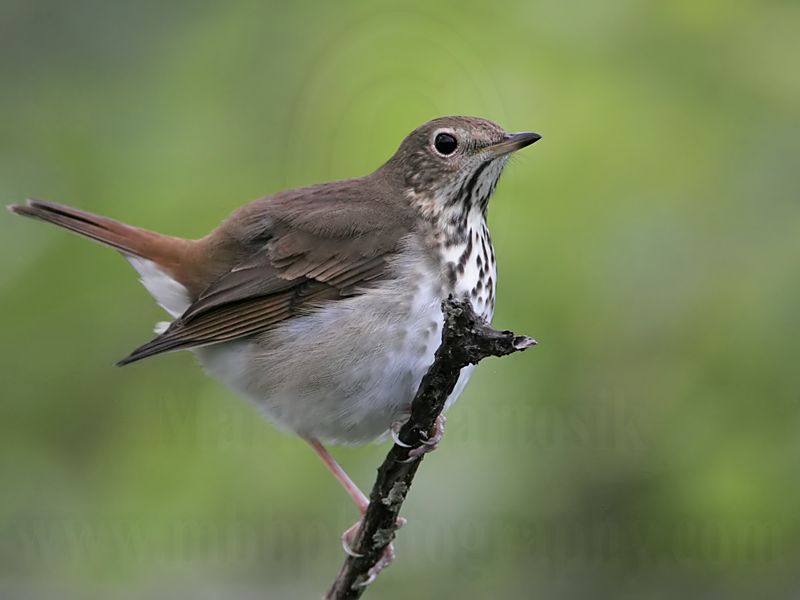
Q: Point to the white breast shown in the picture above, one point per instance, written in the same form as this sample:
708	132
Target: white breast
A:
346	372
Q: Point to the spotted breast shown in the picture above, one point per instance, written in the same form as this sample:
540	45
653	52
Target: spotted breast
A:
383	342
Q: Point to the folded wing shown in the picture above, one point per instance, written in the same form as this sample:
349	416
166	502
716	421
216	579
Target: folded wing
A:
277	270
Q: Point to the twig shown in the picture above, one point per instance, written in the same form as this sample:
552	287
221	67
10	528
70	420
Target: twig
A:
466	339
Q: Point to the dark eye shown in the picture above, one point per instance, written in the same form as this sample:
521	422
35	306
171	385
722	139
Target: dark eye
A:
445	144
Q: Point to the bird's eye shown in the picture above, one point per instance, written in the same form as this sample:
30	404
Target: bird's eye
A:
445	144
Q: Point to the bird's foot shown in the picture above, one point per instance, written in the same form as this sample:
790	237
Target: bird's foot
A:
427	445
349	536
385	560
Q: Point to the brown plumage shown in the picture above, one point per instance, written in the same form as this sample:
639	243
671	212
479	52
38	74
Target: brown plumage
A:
282	255
270	260
322	305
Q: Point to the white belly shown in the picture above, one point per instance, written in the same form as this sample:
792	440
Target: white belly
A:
344	373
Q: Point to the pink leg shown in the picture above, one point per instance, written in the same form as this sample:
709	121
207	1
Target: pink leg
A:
362	502
343	478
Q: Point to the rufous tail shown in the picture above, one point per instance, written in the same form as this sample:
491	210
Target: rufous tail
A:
165	251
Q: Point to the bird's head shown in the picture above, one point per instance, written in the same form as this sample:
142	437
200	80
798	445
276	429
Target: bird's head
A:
453	163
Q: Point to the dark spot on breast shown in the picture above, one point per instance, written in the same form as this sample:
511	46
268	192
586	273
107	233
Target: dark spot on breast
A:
462	260
480	262
451	273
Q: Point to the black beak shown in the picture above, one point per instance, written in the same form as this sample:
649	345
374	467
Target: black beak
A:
513	142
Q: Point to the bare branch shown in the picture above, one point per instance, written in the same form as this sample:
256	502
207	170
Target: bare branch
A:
466	339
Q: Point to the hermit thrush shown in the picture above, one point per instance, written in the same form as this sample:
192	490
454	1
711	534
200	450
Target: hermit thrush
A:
323	304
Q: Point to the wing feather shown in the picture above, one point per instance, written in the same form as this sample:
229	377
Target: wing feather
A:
251	300
287	254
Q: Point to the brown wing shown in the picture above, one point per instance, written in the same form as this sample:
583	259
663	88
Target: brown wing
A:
279	269
245	302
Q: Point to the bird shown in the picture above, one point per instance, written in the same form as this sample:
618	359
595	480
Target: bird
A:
322	304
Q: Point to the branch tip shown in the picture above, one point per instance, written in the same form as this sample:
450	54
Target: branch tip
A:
523	342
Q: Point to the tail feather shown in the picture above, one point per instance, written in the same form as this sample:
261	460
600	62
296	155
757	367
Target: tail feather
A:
125	238
162	261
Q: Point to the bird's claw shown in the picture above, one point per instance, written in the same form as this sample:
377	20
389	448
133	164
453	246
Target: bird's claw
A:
430	444
386	558
347	538
395	433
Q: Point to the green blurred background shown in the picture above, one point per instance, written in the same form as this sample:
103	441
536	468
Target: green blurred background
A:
648	448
